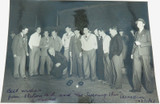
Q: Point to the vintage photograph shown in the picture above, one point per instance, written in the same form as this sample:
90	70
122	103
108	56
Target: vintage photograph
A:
79	52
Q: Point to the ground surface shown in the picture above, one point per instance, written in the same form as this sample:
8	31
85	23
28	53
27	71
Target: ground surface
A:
46	89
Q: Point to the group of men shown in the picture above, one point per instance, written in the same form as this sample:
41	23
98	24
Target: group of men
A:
94	56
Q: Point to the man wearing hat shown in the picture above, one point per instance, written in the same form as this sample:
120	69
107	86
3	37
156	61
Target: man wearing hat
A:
141	53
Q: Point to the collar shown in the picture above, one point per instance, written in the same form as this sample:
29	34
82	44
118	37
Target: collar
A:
22	34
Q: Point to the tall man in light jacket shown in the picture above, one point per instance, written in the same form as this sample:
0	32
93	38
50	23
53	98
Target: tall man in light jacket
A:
89	46
34	42
20	50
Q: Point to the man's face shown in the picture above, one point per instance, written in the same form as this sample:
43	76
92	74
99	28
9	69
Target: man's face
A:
46	33
85	31
25	31
140	24
121	33
101	33
38	30
77	33
113	32
51	51
54	34
68	29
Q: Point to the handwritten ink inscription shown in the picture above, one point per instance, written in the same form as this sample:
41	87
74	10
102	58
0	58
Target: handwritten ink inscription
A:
39	95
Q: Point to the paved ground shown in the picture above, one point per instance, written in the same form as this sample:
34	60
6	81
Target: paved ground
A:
46	89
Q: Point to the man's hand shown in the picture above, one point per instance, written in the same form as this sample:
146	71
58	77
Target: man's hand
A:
14	55
80	54
131	56
70	54
47	45
137	43
132	32
58	64
27	54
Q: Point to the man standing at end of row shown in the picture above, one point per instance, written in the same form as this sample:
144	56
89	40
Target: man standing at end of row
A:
34	52
141	55
20	50
89	46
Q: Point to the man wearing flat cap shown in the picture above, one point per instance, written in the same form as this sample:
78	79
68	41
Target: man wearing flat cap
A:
141	55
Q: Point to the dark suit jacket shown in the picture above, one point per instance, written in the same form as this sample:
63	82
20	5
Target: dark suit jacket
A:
75	45
19	45
145	47
116	46
58	58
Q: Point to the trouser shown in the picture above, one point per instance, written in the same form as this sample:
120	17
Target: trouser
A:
19	66
76	65
117	71
47	60
122	60
107	69
139	63
66	54
89	64
100	66
34	61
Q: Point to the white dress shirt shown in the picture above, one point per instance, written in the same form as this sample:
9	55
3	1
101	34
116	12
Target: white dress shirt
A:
34	40
89	42
106	43
66	40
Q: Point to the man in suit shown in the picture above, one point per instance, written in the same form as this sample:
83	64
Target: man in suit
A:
116	47
76	55
45	43
141	55
20	50
34	42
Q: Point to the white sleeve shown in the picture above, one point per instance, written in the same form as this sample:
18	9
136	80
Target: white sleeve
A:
81	42
63	39
30	43
106	44
108	39
95	42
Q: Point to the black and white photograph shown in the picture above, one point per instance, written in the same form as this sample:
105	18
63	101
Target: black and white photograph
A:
79	52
